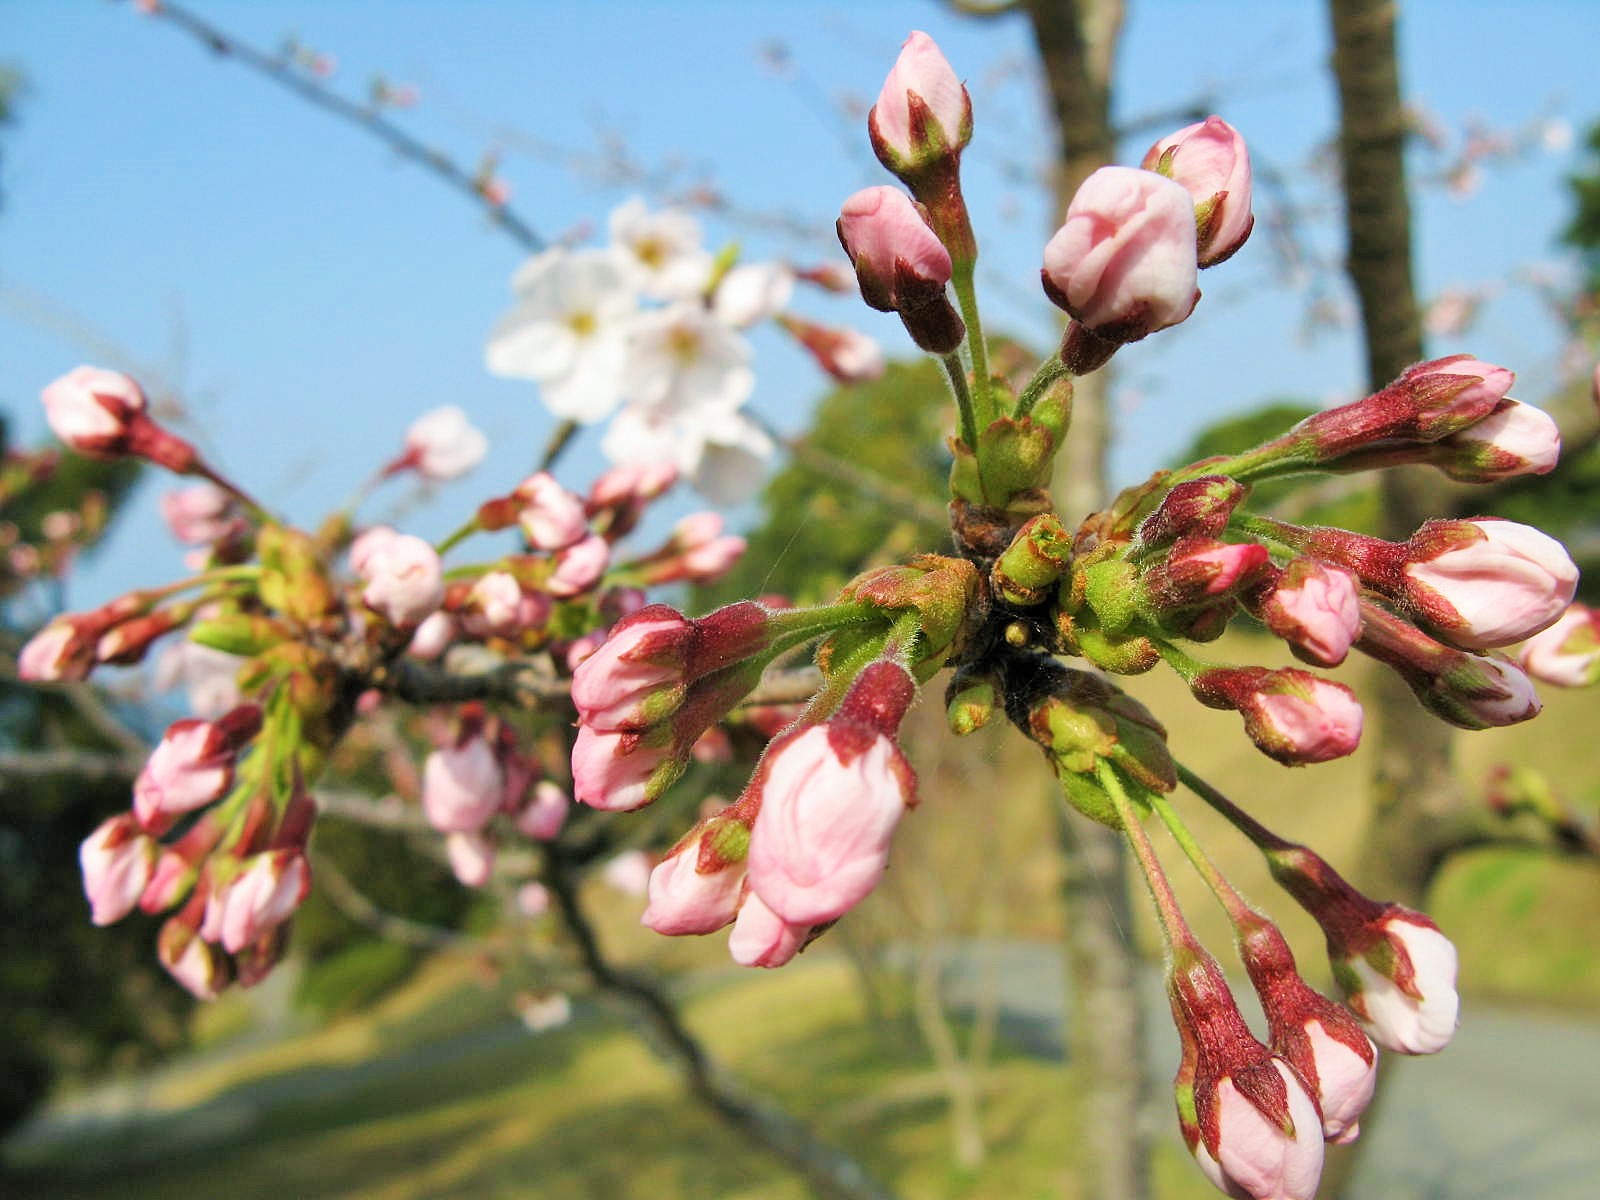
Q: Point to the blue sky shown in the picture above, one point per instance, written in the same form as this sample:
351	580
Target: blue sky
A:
311	295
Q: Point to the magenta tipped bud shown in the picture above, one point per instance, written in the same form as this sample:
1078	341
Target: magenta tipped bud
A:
1210	160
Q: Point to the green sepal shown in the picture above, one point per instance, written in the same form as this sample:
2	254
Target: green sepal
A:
293	581
1111	592
244	634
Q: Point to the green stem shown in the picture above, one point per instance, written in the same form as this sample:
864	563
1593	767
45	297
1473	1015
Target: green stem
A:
1186	665
1266	529
957	374
837	681
1281	456
1050	371
967	298
1173	926
1224	891
1258	833
456	538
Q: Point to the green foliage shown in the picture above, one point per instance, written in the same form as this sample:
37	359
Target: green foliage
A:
353	977
1583	231
820	529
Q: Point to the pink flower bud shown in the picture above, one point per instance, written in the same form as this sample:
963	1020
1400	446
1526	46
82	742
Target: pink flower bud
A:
57	652
830	799
1316	608
761	938
615	770
462	786
1568	653
191	766
404	580
632	483
1256	1157
495	604
262	897
1403	986
1291	715
471	858
1210	160
367	543
923	115
696	888
433	636
442	444
553	518
201	515
637	676
1196	508
851	357
1199	570
579	567
899	261
1515	439
1487	582
196	964
117	861
708	563
545	812
1345	1079
533	900
628	873
94	411
1123	262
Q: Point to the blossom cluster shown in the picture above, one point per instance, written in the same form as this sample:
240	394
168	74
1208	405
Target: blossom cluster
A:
649	332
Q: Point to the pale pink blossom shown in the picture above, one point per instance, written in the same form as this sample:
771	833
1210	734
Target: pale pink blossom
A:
210	677
1123	262
56	652
1515	439
632	483
553	518
542	817
404	580
628	873
753	292
1317	609
1414	1009
196	964
847	355
471	857
693	892
662	248
943	111
1345	1082
200	515
93	410
367	544
191	766
569	330
263	896
533	899
1568	653
1313	721
612	770
496	600
710	562
1252	1156
1210	160
117	861
580	650
721	455
899	260
641	658
761	938
549	1011
462	786
579	567
682	358
443	444
1487	582
433	636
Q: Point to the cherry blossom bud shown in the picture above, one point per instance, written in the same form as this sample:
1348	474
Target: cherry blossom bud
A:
696	888
442	444
710	562
1515	439
1316	608
553	518
201	515
1403	985
753	292
1487	582
196	964
366	545
495	604
616	771
1195	508
1568	653
1210	160
632	483
57	652
901	264
94	410
117	861
1123	262
923	116
831	797
628	873
1254	1156
637	676
549	1011
191	766
846	355
462	786
471	857
761	938
533	900
433	636
579	567
1199	570
1429	401
404	580
545	812
262	897
1291	715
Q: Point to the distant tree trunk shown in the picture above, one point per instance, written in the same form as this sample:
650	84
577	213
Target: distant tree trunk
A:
1077	42
1413	789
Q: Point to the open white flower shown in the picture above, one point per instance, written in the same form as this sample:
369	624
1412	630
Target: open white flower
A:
662	248
722	455
682	359
569	330
752	292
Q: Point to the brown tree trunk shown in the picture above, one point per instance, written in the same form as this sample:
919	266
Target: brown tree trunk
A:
1077	42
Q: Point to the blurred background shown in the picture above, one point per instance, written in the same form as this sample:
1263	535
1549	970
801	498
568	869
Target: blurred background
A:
294	293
